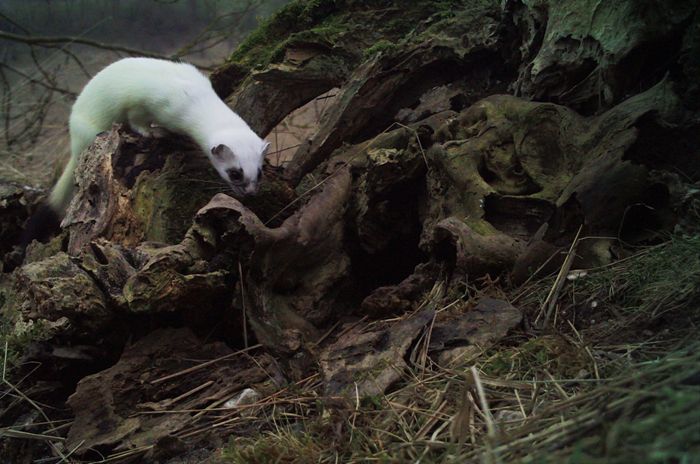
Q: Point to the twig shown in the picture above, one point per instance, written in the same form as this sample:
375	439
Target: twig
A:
204	364
491	431
45	40
420	145
551	300
14	23
204	36
75	448
28	400
8	432
245	319
490	425
300	197
327	334
44	83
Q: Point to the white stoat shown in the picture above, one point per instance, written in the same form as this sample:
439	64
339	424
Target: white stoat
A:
175	96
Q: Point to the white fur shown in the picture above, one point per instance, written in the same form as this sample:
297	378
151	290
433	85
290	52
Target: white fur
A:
175	96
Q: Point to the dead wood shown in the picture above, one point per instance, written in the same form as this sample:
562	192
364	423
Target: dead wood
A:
374	250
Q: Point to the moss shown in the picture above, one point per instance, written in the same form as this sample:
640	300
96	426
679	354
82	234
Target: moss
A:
325	33
368	26
481	227
166	200
299	15
287	446
15	333
534	357
379	47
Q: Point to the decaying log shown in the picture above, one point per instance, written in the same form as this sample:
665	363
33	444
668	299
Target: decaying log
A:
62	298
457	337
423	174
365	363
295	271
16	204
588	55
383	85
131	404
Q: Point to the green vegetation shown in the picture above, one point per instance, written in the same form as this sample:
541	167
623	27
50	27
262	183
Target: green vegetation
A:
15	334
661	279
537	356
287	446
379	47
640	288
332	21
658	423
299	15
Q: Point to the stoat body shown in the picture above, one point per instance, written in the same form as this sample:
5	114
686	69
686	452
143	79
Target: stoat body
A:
174	96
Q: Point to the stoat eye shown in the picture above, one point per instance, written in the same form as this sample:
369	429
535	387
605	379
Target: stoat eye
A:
235	175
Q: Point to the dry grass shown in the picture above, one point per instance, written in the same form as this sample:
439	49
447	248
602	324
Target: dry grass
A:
620	390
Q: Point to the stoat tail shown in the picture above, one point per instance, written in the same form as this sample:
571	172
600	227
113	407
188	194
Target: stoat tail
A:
46	220
62	192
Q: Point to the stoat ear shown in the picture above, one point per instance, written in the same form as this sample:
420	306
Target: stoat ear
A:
222	152
265	147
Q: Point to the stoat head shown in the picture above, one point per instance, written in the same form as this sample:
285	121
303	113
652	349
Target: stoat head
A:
239	162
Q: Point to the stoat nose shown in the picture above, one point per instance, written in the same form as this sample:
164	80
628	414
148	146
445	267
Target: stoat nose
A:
251	188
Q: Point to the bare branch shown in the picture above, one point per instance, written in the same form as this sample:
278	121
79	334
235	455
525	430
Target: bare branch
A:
32	80
76	60
52	41
197	44
6	107
4	17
